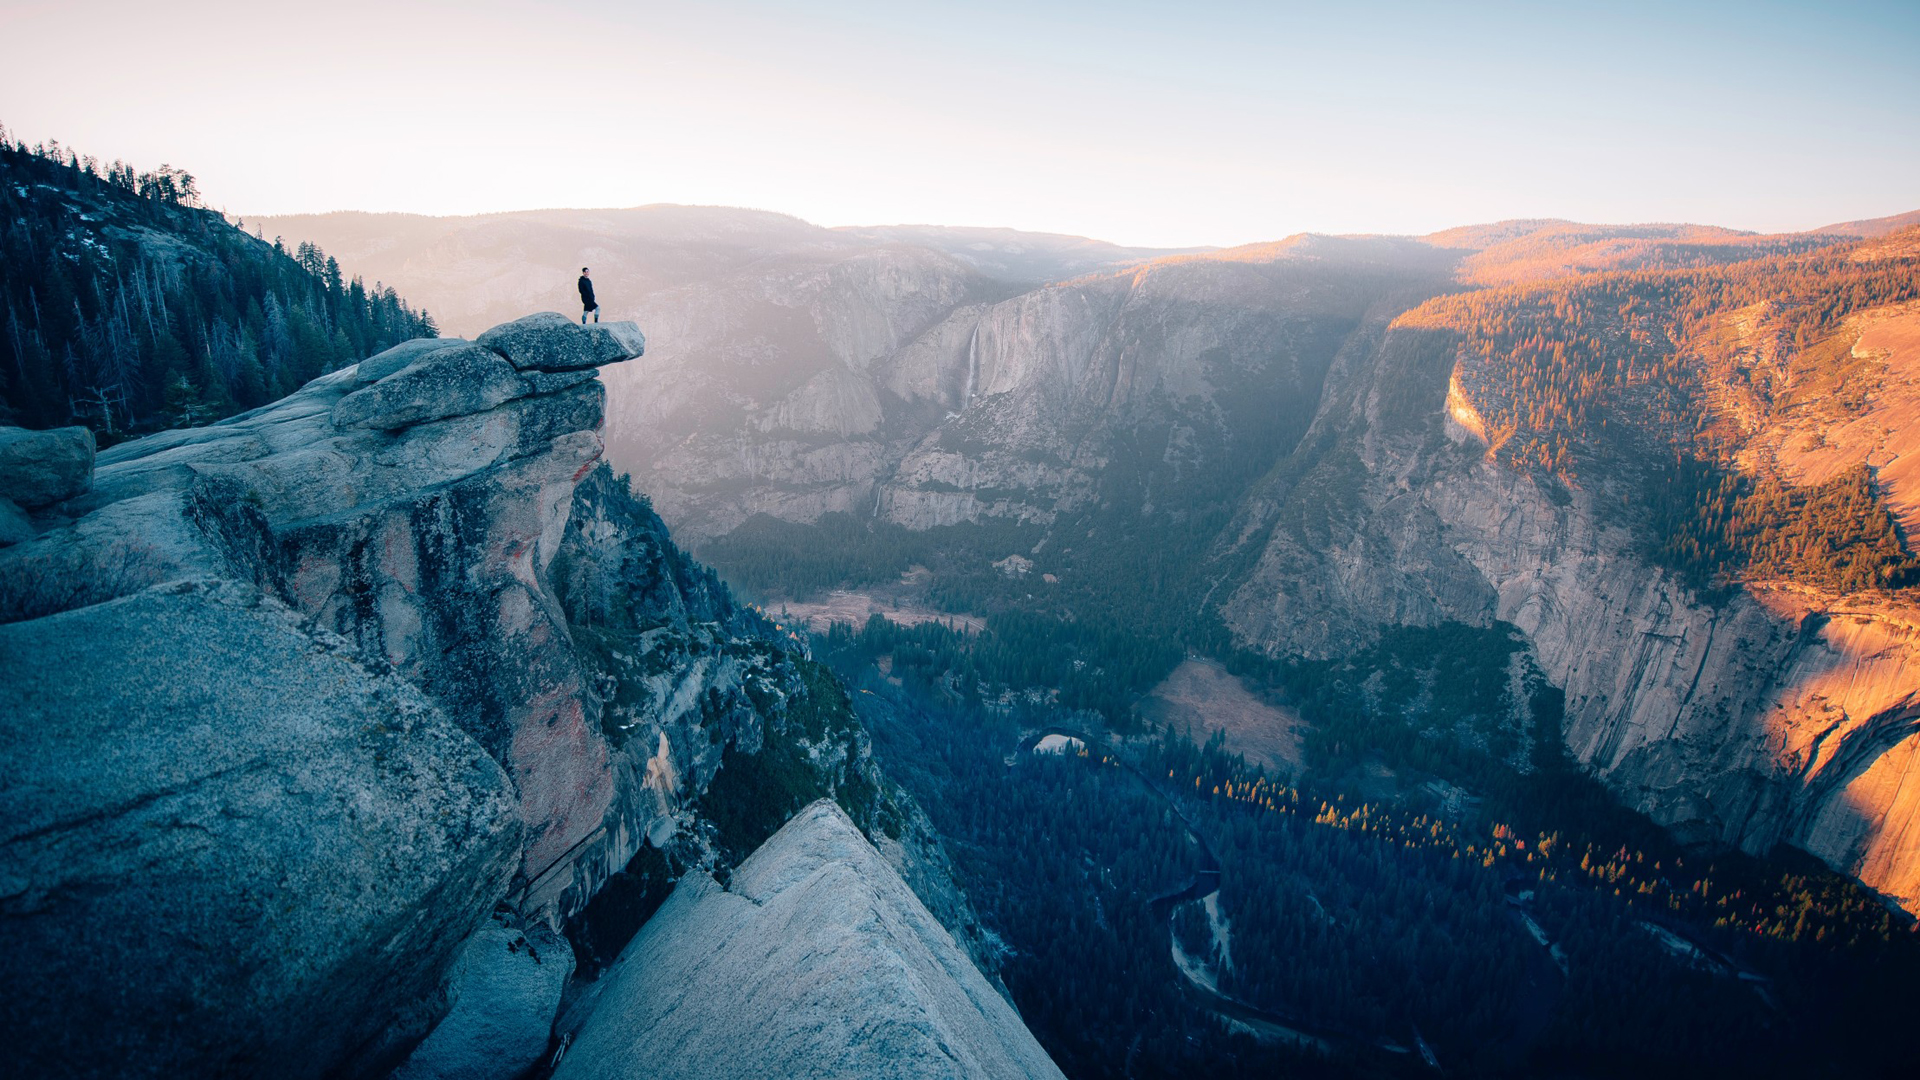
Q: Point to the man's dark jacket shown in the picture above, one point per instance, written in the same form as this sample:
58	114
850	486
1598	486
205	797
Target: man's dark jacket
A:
586	293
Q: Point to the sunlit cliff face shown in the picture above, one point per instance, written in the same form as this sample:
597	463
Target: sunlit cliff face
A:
1882	802
1786	713
1842	720
1461	412
1844	724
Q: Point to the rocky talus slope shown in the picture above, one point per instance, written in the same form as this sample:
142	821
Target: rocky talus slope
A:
324	728
812	959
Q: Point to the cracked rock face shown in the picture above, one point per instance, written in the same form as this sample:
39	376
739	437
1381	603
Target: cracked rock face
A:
551	342
814	960
445	382
503	990
1775	715
415	515
320	767
232	848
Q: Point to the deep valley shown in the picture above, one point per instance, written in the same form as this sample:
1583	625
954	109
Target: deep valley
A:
950	652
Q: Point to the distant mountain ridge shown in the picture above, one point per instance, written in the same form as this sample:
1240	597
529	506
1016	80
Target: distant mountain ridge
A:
473	271
1870	228
480	269
1016	256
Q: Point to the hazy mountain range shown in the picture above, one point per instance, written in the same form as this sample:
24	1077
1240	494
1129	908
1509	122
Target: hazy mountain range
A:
473	271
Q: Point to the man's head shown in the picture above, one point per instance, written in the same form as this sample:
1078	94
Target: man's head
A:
583	271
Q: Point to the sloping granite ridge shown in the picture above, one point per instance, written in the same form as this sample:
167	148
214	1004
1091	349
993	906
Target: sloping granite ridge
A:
814	959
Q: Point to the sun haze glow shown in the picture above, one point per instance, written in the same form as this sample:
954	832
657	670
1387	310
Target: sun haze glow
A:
1203	123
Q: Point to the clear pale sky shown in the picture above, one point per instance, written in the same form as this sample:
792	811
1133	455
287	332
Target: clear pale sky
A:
1166	124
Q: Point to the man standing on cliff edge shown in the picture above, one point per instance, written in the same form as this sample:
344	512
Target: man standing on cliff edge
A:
587	303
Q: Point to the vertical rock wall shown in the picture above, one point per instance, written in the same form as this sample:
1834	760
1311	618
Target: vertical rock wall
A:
1774	714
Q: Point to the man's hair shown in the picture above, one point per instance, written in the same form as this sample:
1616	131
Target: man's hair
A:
583	269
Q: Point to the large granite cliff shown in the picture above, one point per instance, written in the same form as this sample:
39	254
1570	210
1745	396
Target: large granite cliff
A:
352	719
1765	713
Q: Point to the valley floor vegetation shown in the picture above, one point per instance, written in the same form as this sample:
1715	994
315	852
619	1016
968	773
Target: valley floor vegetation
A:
1514	920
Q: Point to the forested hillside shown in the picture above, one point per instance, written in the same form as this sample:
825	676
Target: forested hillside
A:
1365	906
1604	380
130	307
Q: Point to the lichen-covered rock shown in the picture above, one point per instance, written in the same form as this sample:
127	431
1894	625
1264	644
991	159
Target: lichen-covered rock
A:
401	356
231	848
504	991
550	341
443	382
552	382
14	526
39	468
814	960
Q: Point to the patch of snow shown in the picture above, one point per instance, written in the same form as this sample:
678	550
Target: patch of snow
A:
1682	948
1221	931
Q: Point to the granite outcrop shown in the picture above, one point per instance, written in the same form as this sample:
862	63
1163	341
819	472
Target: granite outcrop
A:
217	828
813	959
288	693
326	725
